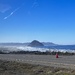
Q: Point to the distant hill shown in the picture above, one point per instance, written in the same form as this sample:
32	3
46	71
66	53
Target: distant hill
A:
14	44
35	43
49	44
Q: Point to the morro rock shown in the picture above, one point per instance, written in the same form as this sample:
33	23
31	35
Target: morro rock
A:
35	43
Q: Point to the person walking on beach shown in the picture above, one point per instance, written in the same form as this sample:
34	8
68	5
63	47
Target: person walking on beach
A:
56	55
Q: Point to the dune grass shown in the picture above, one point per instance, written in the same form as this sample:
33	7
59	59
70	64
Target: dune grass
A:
16	68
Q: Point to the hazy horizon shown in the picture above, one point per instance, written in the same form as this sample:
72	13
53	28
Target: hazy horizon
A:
31	41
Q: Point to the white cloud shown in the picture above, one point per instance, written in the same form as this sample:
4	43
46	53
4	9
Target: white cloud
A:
35	4
13	11
4	8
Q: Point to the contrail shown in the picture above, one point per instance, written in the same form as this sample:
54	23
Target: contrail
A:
4	7
34	5
13	12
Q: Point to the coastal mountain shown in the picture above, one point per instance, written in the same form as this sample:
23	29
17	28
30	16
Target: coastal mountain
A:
35	43
49	44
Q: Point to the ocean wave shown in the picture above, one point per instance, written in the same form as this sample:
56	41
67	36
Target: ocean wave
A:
27	48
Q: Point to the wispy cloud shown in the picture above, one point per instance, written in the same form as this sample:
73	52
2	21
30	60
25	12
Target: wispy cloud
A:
13	11
4	7
34	5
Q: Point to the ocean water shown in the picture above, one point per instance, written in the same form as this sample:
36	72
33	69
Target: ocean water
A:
71	47
61	48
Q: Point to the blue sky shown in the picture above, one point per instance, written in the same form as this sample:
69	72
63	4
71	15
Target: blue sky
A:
43	20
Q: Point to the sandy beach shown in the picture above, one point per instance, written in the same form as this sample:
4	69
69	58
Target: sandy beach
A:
47	60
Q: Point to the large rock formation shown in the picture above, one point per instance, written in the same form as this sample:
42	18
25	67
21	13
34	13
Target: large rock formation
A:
35	43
